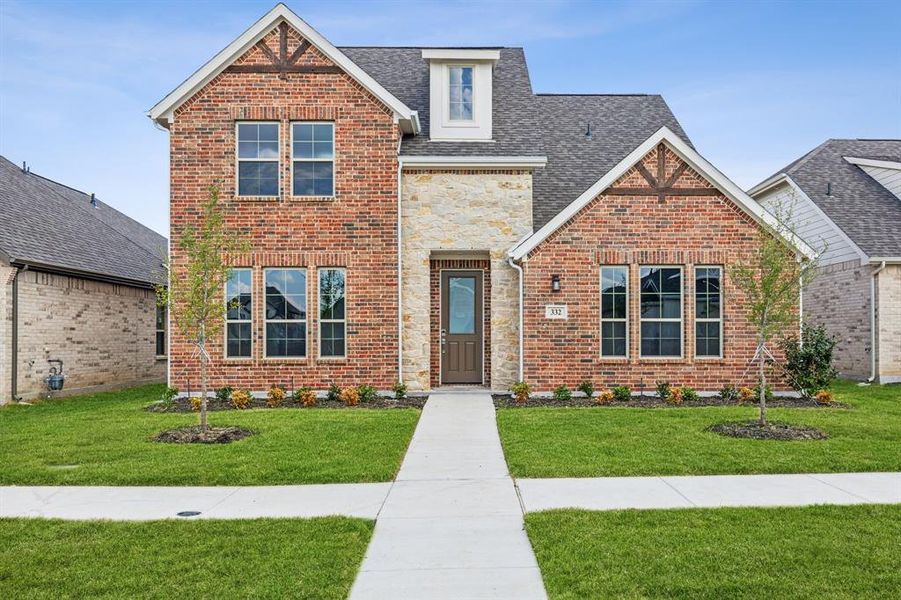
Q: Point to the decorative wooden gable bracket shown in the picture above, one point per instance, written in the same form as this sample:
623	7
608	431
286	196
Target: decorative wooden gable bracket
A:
283	64
659	186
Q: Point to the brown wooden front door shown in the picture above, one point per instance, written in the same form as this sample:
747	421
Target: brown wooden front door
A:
461	327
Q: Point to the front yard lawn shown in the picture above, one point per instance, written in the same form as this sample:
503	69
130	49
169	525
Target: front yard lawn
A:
598	442
810	552
265	558
104	439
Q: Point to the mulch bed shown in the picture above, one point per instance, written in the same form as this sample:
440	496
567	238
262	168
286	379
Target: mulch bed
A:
773	431
195	435
183	405
649	401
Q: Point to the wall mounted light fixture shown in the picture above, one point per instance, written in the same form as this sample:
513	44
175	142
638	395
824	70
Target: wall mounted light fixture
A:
555	283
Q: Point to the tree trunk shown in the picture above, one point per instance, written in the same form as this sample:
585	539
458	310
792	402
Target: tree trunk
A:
203	420
762	383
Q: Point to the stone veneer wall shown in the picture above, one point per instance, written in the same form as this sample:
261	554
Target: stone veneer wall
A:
839	298
104	333
467	212
888	294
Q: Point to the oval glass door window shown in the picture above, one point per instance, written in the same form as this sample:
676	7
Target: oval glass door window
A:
462	301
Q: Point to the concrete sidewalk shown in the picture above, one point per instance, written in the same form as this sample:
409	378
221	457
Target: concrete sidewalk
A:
452	524
147	503
611	493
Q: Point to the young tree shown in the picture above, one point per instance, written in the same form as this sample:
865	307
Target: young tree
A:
771	278
196	282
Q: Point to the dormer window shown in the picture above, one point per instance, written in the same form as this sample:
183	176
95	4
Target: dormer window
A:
460	89
460	96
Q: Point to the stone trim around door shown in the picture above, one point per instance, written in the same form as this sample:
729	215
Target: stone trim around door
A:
436	265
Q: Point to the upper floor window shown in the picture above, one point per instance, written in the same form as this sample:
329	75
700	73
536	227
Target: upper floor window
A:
286	313
332	319
313	159
161	331
238	313
661	311
460	93
614	311
708	312
258	159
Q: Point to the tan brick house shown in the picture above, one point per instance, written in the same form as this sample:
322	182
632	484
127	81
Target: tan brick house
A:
76	285
420	214
846	197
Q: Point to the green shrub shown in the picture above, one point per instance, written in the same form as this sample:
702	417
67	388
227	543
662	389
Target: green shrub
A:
767	393
622	393
400	390
167	398
334	393
521	391
808	367
729	393
224	393
367	394
663	390
587	388
689	394
562	394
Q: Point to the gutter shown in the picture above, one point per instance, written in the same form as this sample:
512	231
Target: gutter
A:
521	310
873	321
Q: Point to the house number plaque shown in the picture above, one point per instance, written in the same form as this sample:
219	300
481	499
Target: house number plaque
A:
555	311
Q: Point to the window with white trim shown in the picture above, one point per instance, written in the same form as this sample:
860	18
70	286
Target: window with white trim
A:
614	311
313	159
258	159
459	93
708	312
332	320
238	313
661	311
161	331
286	313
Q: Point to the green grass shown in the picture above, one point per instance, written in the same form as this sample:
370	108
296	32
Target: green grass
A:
812	552
265	558
108	437
595	442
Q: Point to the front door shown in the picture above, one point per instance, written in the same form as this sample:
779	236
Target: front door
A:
461	327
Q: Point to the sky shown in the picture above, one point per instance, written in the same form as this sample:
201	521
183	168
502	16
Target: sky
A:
754	84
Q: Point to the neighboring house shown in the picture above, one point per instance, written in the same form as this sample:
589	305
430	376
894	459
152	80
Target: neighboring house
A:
350	170
76	285
845	199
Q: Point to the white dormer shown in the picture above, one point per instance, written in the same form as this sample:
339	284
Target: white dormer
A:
460	93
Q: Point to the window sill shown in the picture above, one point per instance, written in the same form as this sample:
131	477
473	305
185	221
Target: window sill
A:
161	357
256	198
332	359
312	198
288	360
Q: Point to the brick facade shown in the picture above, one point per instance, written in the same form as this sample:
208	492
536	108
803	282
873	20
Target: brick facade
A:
435	268
355	230
634	230
105	334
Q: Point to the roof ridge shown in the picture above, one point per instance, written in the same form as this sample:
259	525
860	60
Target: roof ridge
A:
592	94
431	47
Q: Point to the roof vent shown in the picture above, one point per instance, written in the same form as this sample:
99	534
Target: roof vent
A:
93	200
25	167
588	131
829	188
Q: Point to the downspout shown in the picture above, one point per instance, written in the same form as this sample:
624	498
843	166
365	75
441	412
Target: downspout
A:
400	295
521	348
873	322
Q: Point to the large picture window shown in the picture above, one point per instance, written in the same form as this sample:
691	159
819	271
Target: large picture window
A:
313	159
238	313
708	312
614	311
286	313
332	331
258	159
661	311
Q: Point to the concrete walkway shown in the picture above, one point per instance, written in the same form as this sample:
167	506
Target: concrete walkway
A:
147	503
709	491
452	524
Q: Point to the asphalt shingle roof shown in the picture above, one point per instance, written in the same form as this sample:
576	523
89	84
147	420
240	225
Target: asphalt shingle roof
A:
45	223
526	124
859	205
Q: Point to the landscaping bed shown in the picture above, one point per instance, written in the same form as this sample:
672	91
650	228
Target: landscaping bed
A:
651	401
198	435
773	431
183	404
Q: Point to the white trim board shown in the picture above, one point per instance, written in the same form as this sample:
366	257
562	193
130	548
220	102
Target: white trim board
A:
869	162
163	112
474	162
684	152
